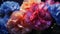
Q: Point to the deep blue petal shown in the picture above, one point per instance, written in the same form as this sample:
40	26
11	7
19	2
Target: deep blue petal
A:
55	12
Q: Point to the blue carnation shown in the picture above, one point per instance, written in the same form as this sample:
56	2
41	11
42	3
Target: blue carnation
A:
9	6
55	12
6	9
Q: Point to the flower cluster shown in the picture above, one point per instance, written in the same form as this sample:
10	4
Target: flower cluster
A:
30	16
34	17
6	10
